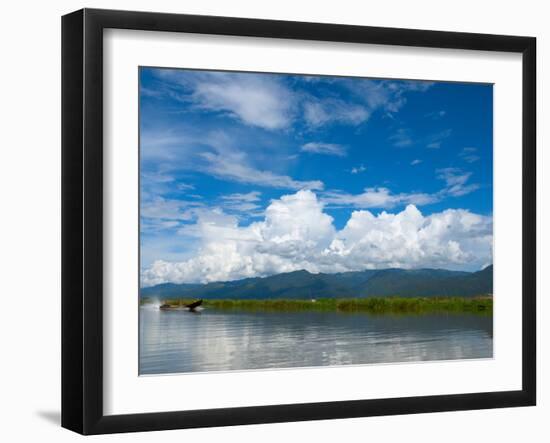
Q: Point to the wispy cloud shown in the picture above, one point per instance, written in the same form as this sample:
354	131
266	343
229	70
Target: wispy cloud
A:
358	169
234	167
387	95
256	100
319	112
456	185
471	158
324	148
154	183
185	186
416	161
435	115
469	155
242	203
251	196
366	97
165	145
401	138
376	198
434	141
156	177
218	154
456	181
274	102
161	213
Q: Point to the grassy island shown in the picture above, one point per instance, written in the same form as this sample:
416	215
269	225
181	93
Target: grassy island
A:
374	305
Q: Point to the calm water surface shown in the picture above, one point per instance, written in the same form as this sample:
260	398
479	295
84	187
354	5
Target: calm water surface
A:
222	340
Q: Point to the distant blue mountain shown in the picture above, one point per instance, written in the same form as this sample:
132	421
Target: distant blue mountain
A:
368	283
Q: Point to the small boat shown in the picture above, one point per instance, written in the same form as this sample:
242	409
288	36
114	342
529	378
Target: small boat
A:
191	307
194	305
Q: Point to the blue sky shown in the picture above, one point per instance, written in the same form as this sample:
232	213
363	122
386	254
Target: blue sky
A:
224	156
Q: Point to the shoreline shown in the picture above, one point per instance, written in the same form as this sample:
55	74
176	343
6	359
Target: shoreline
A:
375	305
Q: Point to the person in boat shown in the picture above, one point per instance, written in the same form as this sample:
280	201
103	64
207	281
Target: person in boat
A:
190	306
194	305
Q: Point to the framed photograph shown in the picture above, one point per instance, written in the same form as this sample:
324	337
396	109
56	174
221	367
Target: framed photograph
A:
268	221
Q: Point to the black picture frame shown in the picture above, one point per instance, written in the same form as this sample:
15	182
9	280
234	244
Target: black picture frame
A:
82	215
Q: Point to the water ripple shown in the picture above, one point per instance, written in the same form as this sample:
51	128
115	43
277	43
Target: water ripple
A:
172	342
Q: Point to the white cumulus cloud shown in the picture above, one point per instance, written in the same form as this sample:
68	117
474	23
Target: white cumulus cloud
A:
409	239
296	233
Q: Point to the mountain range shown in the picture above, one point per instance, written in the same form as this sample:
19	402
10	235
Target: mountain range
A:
368	283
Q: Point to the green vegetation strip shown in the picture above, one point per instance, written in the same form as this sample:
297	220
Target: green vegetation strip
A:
376	305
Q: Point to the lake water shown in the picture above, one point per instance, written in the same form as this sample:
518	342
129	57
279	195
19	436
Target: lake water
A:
223	340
